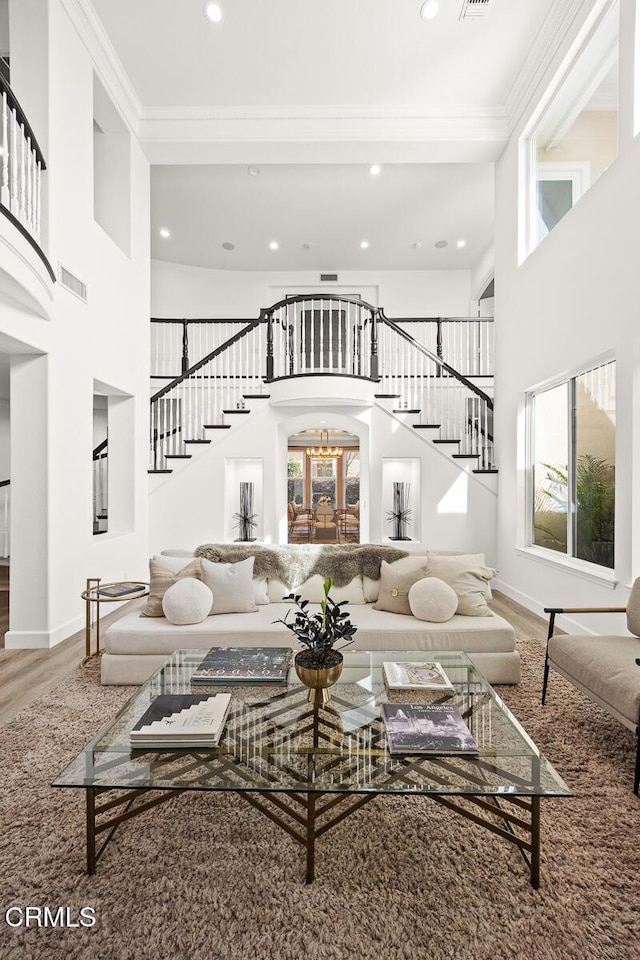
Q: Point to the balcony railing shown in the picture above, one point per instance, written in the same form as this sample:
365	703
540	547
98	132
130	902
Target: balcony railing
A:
21	167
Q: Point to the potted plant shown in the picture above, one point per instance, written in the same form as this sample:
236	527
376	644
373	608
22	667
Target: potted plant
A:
319	664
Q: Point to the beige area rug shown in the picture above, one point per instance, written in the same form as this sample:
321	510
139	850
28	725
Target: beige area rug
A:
205	877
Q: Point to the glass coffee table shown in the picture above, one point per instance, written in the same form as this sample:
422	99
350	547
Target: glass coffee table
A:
308	767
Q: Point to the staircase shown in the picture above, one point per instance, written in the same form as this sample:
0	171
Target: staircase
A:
409	363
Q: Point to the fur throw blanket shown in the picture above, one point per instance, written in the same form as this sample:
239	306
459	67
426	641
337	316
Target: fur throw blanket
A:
293	564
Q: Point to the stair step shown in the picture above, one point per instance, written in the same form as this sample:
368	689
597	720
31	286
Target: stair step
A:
236	411
445	441
406	410
217	426
197	441
256	396
387	396
465	456
159	471
178	456
492	470
426	426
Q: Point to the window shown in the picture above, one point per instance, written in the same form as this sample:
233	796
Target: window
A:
295	477
573	466
575	139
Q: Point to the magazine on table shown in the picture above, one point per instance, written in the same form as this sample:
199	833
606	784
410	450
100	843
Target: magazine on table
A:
436	728
182	720
421	675
121	589
244	665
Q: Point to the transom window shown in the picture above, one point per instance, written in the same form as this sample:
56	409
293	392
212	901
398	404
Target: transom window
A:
575	137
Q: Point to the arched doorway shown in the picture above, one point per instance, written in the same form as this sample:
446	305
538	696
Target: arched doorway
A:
323	486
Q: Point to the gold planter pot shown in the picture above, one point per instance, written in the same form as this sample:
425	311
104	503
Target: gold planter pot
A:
318	679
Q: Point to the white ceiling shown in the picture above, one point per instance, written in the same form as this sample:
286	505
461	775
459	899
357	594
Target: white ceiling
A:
276	52
370	58
333	207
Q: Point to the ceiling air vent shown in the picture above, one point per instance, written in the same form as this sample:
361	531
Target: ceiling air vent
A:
72	284
328	277
472	9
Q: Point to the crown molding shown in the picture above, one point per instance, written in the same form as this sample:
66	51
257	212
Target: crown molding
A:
331	111
552	34
201	135
108	65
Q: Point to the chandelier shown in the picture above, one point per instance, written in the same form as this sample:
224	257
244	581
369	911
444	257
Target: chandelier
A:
324	450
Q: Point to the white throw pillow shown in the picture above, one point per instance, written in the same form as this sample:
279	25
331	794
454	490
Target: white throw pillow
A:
187	601
469	579
433	600
176	562
313	590
231	585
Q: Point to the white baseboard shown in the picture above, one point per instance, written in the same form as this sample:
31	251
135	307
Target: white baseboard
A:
565	623
42	639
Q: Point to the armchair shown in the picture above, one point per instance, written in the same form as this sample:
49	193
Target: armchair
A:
605	668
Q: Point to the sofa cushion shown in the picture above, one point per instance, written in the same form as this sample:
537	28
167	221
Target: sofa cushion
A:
394	586
433	600
313	590
187	601
176	562
468	578
377	630
161	578
231	585
414	562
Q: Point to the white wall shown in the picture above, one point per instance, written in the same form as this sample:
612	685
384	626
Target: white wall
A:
183	291
187	508
571	301
105	340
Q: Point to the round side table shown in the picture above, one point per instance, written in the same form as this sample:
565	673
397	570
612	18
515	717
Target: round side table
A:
97	592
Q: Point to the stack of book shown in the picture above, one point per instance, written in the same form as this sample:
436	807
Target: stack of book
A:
182	720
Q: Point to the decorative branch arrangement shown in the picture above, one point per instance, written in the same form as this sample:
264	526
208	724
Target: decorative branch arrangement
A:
245	519
319	633
400	515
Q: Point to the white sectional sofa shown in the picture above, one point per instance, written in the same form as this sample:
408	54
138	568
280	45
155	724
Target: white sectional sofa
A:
134	645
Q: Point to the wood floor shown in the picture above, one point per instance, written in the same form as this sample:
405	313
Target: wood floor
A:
26	675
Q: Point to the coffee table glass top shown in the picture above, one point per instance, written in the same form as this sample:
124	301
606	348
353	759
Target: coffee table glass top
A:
274	740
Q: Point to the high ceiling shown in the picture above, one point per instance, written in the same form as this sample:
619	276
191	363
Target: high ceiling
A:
275	52
329	59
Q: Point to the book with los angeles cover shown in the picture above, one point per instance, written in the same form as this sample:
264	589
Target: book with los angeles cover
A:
182	720
436	728
224	665
418	675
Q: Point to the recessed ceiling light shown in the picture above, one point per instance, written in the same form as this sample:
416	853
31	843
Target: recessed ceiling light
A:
213	12
417	244
364	244
274	245
441	243
375	169
429	9
228	246
461	243
253	171
307	245
165	233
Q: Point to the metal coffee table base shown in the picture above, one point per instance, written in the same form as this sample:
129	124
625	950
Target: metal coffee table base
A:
307	816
